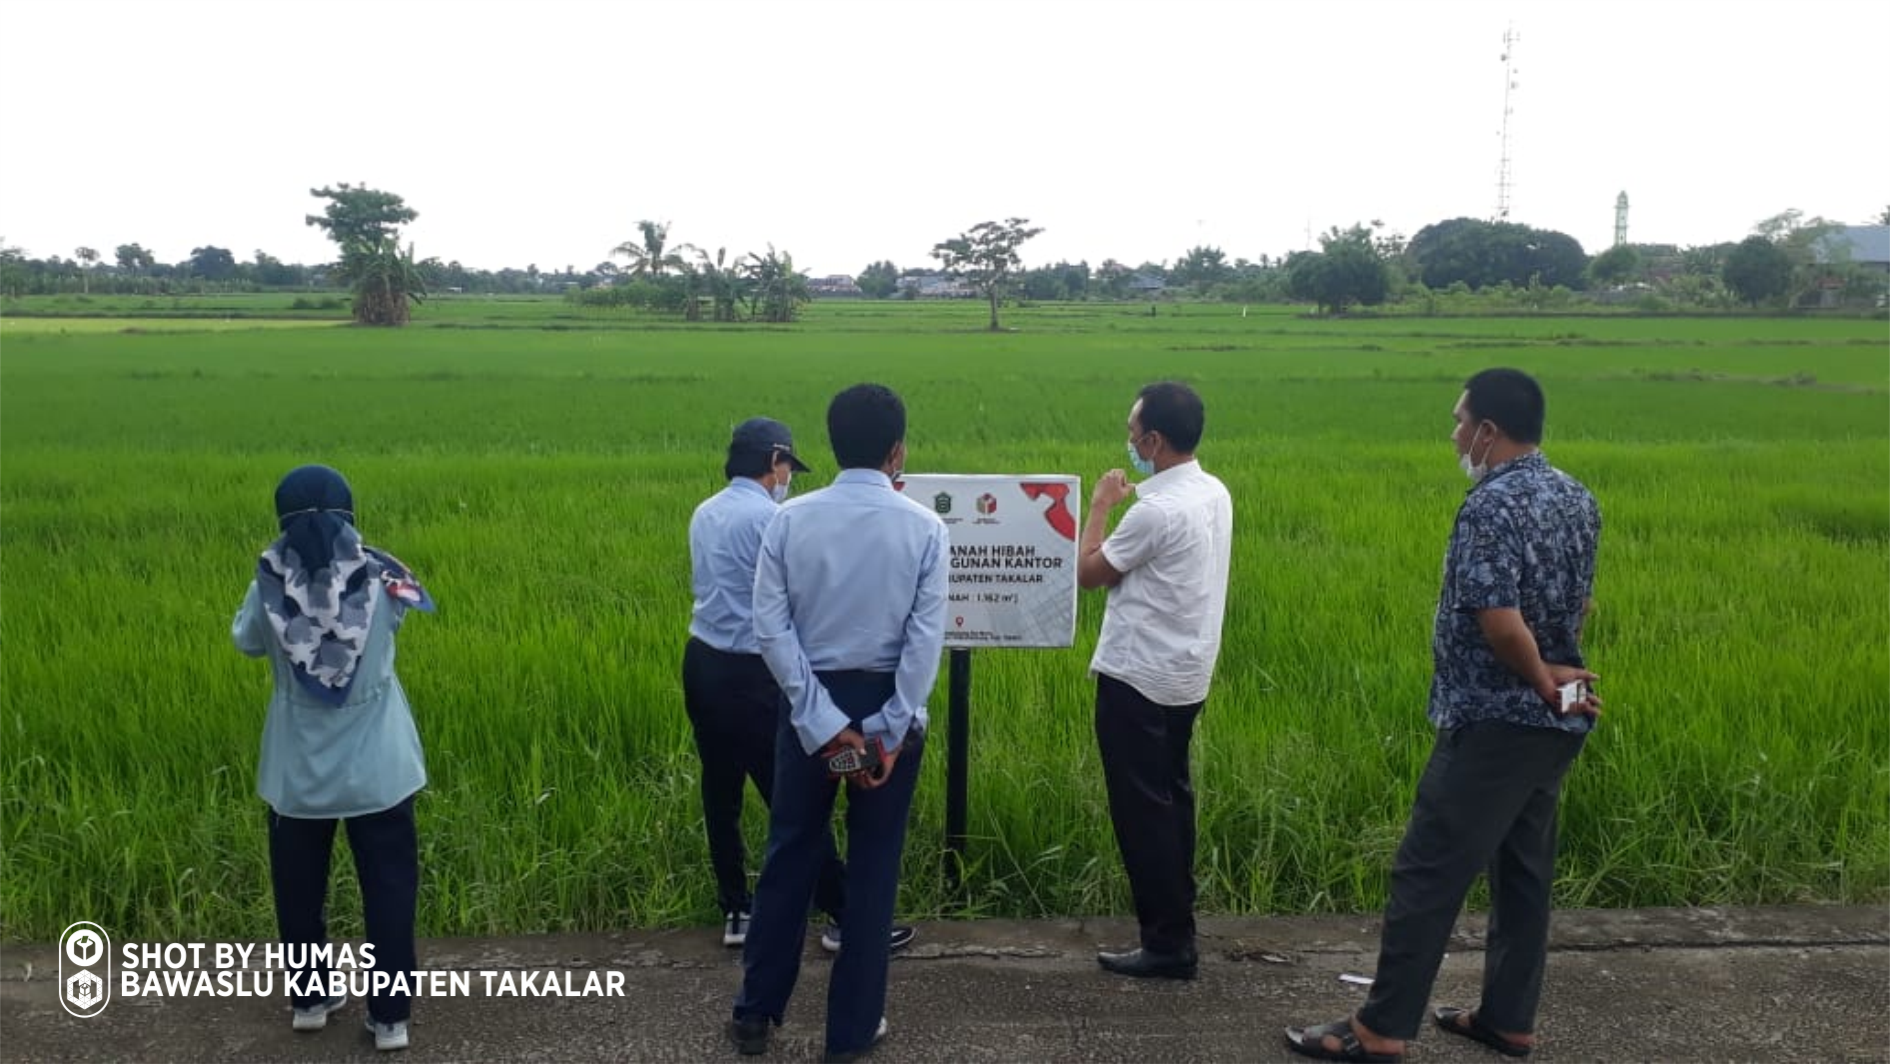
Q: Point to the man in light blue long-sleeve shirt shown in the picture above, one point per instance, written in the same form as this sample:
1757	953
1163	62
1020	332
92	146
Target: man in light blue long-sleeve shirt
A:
849	611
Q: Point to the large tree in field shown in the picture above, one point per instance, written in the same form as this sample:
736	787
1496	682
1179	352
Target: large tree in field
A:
363	222
359	214
134	257
1757	270
212	263
1617	265
878	280
986	256
1480	253
651	255
1348	270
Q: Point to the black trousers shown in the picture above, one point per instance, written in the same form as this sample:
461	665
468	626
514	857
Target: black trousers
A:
1487	800
800	844
1144	750
733	703
386	861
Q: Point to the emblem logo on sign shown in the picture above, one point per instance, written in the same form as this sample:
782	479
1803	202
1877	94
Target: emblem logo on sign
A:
942	502
987	503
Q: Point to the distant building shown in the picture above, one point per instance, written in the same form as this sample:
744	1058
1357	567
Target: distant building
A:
834	286
1144	285
1861	245
936	286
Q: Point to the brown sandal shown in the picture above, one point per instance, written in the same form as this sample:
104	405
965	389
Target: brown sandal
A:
1476	1030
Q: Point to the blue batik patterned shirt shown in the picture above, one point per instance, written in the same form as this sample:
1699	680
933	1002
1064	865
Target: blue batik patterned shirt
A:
1524	539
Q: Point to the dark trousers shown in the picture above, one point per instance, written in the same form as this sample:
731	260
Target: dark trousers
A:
799	843
1151	803
386	861
1487	800
733	703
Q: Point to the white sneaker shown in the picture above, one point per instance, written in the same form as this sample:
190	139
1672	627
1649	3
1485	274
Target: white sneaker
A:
388	1036
735	929
315	1017
901	937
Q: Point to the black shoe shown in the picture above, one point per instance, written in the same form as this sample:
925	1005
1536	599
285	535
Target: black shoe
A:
1148	964
750	1034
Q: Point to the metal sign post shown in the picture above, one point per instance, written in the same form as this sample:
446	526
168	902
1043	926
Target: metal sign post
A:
957	769
1013	584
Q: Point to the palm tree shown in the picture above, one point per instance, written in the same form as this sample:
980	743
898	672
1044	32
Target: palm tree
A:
776	289
723	282
88	257
652	256
384	277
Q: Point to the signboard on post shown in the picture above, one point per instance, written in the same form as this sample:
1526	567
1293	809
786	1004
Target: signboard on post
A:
1013	564
1013	584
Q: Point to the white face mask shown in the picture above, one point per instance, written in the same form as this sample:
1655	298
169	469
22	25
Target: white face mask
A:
1476	471
780	489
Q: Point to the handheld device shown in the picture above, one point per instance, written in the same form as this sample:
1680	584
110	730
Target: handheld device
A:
1572	694
847	761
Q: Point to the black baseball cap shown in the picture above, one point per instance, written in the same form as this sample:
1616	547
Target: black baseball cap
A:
766	434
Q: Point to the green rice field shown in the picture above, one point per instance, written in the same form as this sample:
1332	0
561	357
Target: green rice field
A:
537	465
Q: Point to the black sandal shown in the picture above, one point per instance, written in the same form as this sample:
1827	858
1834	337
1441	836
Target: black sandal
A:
1476	1030
1311	1042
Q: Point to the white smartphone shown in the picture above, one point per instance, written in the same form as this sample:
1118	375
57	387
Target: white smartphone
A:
1572	694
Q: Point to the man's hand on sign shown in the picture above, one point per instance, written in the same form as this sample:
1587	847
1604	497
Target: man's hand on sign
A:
1111	489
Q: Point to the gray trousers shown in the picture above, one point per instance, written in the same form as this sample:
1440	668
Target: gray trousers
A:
1487	801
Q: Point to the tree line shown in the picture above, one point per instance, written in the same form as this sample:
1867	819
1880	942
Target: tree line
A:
1788	260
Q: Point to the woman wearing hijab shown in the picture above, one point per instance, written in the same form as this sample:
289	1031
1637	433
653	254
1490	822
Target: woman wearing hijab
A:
339	744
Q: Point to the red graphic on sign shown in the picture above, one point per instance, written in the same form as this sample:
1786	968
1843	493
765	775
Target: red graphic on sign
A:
987	503
1058	514
960	621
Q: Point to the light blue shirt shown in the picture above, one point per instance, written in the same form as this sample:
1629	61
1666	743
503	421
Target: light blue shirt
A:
853	577
724	541
321	761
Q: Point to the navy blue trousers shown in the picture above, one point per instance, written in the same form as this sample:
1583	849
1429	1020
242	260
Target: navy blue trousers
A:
386	861
799	830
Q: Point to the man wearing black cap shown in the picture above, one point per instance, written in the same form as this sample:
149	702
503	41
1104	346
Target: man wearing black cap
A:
727	689
731	697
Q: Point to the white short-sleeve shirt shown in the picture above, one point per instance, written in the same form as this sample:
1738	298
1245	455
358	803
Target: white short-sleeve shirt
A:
1161	631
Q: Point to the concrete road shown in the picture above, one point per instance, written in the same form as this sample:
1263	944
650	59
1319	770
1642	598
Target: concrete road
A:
1775	984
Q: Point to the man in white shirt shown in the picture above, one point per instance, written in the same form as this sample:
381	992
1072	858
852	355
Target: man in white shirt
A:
1166	570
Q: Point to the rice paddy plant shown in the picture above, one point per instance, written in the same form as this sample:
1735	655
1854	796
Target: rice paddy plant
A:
540	481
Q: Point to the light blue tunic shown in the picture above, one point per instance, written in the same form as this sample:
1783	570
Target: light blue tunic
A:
321	761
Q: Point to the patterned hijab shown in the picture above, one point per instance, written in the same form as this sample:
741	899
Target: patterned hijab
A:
318	582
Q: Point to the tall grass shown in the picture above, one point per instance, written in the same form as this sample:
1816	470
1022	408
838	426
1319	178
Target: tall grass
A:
541	481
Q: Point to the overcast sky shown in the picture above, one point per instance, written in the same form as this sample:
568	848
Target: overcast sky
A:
540	132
